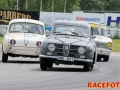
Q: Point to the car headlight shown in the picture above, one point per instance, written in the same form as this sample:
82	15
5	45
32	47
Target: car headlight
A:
51	47
109	44
12	42
38	44
81	50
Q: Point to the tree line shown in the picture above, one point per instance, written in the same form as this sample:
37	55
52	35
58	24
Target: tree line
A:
71	5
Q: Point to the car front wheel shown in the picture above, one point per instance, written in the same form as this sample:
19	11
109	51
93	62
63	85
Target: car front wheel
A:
43	64
106	58
88	66
98	58
4	57
50	65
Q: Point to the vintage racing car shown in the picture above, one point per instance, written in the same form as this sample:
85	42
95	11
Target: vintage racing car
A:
23	38
103	41
69	42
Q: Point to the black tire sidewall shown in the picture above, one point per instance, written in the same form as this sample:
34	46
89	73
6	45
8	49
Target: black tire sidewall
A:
106	58
4	57
43	64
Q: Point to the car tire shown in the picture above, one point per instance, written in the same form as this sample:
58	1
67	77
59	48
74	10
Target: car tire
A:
106	58
4	57
43	64
98	58
50	65
88	66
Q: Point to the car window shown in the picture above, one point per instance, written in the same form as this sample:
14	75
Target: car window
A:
71	29
100	31
103	31
26	27
96	31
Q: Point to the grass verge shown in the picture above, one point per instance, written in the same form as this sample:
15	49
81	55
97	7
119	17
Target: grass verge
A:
116	45
1	38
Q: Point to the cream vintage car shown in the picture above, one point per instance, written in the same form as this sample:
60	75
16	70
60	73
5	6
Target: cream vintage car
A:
23	38
103	41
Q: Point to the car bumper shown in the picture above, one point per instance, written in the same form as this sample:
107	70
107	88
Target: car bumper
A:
33	51
75	59
101	51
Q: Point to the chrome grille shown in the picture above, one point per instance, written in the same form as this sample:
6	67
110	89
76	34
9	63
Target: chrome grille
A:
66	49
74	49
60	51
101	45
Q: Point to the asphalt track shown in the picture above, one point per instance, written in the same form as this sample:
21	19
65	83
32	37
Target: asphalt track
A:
25	74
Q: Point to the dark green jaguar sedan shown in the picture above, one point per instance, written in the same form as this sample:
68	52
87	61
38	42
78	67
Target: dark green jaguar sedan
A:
69	43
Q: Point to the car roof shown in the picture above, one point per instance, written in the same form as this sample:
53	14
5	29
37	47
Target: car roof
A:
27	21
95	24
83	23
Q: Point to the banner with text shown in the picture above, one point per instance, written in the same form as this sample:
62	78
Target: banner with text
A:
49	17
112	19
6	16
90	17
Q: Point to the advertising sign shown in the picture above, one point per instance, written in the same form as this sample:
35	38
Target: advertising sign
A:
49	17
112	19
6	16
91	17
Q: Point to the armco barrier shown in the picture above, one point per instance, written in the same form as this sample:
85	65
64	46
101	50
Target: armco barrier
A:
113	32
118	33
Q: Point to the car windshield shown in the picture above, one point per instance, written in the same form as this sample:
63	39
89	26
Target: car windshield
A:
71	30
104	31
96	31
100	31
26	28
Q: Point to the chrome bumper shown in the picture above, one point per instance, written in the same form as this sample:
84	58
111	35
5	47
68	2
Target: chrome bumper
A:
75	59
101	51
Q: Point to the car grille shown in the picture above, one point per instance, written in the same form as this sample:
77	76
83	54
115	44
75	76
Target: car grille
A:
101	45
72	51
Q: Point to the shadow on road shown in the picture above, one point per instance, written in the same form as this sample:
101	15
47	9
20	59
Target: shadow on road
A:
22	62
60	69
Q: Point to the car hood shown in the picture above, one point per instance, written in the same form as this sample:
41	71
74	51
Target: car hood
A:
26	38
68	39
103	39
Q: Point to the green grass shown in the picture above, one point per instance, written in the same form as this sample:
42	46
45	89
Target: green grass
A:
1	38
116	45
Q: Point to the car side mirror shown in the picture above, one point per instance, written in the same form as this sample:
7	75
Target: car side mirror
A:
93	37
108	35
47	32
4	30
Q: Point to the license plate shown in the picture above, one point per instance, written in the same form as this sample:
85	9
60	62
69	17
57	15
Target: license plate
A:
65	58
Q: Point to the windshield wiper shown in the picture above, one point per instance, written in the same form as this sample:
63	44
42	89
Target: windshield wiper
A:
74	33
32	32
15	31
57	32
